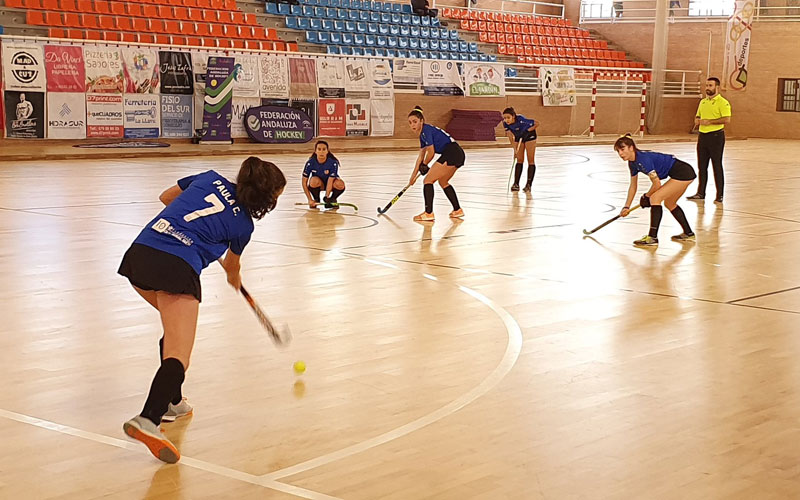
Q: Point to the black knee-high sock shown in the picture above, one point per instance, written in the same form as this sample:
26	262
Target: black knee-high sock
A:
451	195
335	194
677	212
517	173
179	395
655	220
166	383
315	193
531	172
427	192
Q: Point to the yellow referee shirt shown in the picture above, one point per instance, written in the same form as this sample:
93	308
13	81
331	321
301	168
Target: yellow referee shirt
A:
712	109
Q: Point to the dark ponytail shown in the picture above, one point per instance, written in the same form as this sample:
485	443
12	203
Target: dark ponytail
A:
623	141
510	111
417	111
258	185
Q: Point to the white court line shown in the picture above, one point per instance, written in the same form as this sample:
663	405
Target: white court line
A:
510	357
187	461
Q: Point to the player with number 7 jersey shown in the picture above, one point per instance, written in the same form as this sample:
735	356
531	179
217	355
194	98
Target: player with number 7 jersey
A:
205	216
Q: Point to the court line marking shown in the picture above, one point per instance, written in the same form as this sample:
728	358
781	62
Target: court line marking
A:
187	461
767	294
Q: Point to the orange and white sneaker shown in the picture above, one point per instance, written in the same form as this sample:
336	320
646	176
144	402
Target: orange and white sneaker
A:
177	411
457	214
142	429
424	217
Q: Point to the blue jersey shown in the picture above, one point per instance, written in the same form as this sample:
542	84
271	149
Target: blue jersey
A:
520	127
201	223
650	161
434	136
322	170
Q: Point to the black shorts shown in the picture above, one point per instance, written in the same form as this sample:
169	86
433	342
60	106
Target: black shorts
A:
529	136
453	155
681	171
151	269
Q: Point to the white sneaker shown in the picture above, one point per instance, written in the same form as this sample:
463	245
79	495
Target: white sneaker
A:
142	429
174	412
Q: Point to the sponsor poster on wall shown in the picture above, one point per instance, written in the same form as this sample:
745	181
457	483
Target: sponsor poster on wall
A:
357	78
199	69
737	45
408	70
218	99
381	117
382	85
309	107
278	124
142	116
66	115
104	73
239	110
23	67
330	77
332	117
246	72
274	77
177	76
357	113
141	70
24	114
484	80
441	78
65	69
176	115
104	117
302	78
558	86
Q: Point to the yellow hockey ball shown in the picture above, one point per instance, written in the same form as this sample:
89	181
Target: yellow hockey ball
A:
299	367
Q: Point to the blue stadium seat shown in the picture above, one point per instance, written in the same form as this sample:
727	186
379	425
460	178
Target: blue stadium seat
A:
321	3
283	9
333	49
369	40
444	34
394	30
308	11
381	52
406	7
474	57
272	8
492	58
319	11
352	15
291	22
375	17
415	21
303	23
315	24
463	47
331	12
338	25
426	21
386	18
369	51
372	28
405	19
345	4
413	54
327	25
402	42
348	38
386	7
424	32
405	30
391	53
347	51
361	27
350	26
311	37
391	42
383	29
358	39
358	51
402	53
396	7
473	47
381	41
395	18
453	46
341	14
415	31
433	44
334	3
463	57
312	2
423	44
336	38
295	10
434	32
324	37
363	15
413	43
453	35
483	57
435	21
375	6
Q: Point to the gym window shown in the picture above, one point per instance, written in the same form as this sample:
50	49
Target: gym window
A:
789	94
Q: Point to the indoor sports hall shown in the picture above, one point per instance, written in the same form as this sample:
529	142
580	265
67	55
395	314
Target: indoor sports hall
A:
535	347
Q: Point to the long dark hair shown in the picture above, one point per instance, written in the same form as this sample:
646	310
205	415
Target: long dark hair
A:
623	141
330	155
510	111
258	185
417	111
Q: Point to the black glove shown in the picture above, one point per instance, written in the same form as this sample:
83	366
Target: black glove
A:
644	201
424	168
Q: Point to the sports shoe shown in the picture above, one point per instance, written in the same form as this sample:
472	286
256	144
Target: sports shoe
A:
696	197
646	241
179	410
457	214
424	217
684	237
527	188
142	429
718	200
515	187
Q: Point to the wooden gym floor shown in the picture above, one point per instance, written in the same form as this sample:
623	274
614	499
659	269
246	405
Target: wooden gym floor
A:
502	357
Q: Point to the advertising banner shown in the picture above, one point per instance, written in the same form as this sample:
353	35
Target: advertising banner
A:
381	117
239	109
558	86
332	117
357	78
104	73
441	78
358	114
307	106
176	115
104	117
737	46
302	78
408	70
278	124
142	118
274	77
66	115
65	69
24	114
218	99
23	67
246	72
484	80
382	85
141	70
177	76
330	77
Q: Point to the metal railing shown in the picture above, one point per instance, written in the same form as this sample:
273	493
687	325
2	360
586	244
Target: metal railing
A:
681	11
535	8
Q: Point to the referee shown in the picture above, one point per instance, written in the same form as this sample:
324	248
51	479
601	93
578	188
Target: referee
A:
713	113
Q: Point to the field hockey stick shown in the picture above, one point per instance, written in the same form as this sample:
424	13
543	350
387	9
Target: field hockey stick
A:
513	166
280	337
394	200
609	221
335	204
